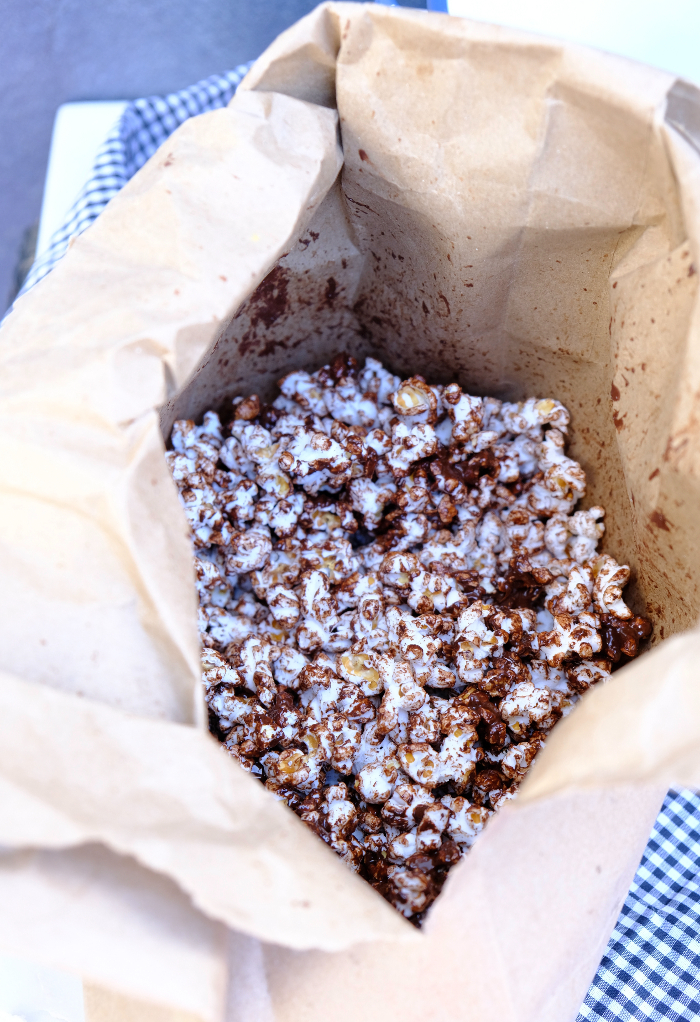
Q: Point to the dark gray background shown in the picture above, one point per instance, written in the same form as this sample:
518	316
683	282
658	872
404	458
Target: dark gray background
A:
56	51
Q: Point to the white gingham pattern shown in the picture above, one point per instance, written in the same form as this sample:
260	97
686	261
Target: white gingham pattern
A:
143	127
651	968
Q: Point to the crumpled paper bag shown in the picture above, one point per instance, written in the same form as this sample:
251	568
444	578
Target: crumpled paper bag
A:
503	210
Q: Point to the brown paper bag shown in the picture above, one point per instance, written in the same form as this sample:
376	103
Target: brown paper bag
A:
519	215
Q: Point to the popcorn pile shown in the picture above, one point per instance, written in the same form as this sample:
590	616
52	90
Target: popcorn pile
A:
397	603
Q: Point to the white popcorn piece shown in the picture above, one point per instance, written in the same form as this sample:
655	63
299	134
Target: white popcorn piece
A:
370	499
320	688
375	766
402	846
591	672
406	804
515	622
556	535
280	514
288	666
294	767
426	837
517	760
332	556
361	669
508	460
576	597
523	535
314	459
563	476
212	587
499	798
401	692
342	636
338	738
248	550
466	413
416	642
413	891
432	593
398	569
250	727
302	388
239	502
413	494
450	550
340	814
235	458
225	628
466	821
410	445
210	429
374	747
424	723
375	782
408	530
525	705
415	399
571	635
475	642
585	531
284	605
183	434
322	692
375	380
456	760
490	533
252	660
434	822
534	413
282	567
319	611
325	514
346	403
369	623
610	577
206	521
455	714
542	675
216	670
379	441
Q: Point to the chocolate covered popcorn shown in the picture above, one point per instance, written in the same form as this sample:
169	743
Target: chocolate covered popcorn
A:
398	602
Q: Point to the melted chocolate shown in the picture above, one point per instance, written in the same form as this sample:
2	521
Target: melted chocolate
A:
342	367
268	416
489	780
491	726
622	638
522	587
483	464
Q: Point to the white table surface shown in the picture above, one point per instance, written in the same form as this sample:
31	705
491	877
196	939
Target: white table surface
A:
32	993
79	130
663	33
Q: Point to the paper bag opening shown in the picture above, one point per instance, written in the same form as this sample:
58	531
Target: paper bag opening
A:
513	214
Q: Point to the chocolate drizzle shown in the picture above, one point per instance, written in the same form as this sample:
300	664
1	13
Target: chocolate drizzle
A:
621	638
522	587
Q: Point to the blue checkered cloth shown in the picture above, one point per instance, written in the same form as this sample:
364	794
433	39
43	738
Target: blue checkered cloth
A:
651	968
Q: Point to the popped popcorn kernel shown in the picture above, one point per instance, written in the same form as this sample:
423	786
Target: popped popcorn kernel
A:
398	600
